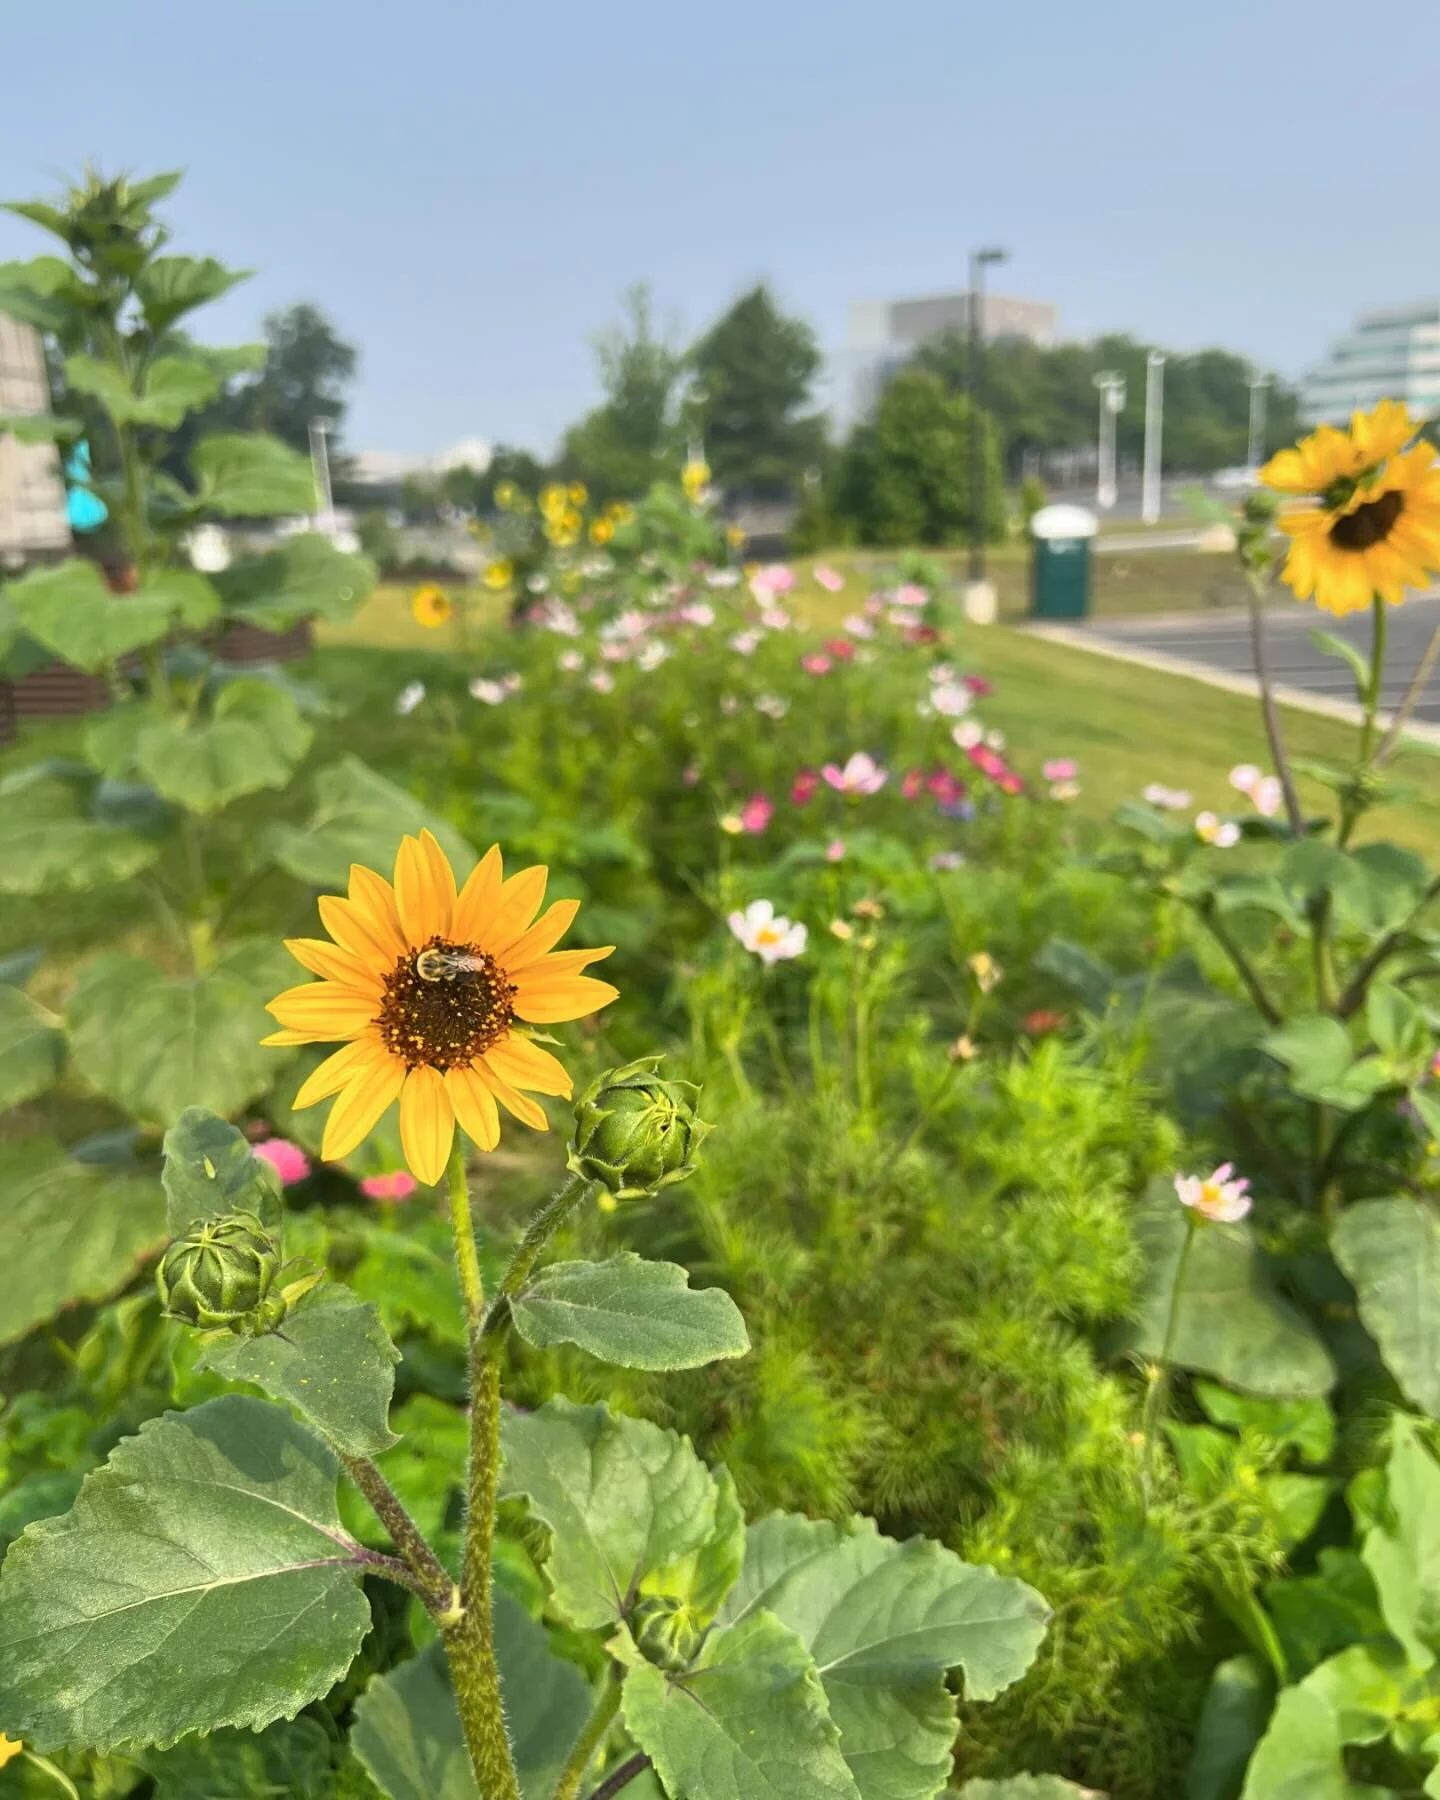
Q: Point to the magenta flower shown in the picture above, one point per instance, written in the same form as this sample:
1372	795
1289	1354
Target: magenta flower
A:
948	789
288	1160
840	648
987	761
756	814
815	664
861	775
830	579
978	685
802	789
1060	768
398	1185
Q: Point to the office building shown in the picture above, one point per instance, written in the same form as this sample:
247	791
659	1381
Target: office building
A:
1390	355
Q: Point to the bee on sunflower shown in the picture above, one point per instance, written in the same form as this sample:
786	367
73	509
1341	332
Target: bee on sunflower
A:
1372	528
430	987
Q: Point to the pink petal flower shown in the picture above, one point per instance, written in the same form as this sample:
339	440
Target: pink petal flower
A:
830	579
835	850
840	648
802	789
756	814
288	1160
1060	768
815	664
913	786
398	1185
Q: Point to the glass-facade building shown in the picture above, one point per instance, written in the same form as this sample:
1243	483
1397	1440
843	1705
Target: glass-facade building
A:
1390	355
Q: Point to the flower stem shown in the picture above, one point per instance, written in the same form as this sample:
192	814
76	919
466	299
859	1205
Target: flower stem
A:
469	1638
442	1595
1159	1374
590	1738
1270	713
1355	804
467	1257
546	1222
622	1778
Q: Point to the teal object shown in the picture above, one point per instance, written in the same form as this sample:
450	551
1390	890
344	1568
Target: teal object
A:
1060	566
85	511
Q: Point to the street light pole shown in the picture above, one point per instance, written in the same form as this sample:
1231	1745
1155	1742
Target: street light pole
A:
1111	384
320	464
1255	454
1154	417
976	307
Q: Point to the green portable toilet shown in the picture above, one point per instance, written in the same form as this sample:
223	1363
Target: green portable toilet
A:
1060	563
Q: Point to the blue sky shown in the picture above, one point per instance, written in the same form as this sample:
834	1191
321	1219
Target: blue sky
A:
468	188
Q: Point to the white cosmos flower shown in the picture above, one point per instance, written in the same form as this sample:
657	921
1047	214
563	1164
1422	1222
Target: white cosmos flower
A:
491	692
1210	830
1167	799
570	661
651	655
1217	1197
771	938
951	699
409	698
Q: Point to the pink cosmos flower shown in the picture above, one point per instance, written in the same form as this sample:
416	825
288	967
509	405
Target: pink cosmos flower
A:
1216	1197
859	626
830	579
777	578
922	634
698	612
1244	776
840	648
1060	768
815	664
835	850
948	789
977	685
802	788
775	618
756	814
615	653
861	775
986	760
288	1160
913	785
1010	783
908	594
1168	799
1267	796
952	699
745	643
398	1185
602	681
570	661
944	860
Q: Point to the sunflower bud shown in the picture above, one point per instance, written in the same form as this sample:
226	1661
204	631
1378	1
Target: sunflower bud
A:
220	1274
635	1133
667	1632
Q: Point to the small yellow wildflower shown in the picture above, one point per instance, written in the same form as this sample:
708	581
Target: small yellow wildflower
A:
987	972
500	573
578	493
601	531
695	478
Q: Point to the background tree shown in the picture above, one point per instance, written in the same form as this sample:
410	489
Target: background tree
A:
754	371
904	478
629	440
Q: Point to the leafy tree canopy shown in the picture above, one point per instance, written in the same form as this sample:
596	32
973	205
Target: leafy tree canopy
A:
753	373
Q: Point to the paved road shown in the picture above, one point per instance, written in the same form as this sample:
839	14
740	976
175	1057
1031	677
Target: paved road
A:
1224	643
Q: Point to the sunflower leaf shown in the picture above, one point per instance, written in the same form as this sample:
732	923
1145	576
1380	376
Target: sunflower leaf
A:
359	817
211	1169
31	1049
305	578
639	1314
201	1579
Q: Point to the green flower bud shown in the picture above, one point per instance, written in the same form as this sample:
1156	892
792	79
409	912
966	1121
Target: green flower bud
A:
634	1132
220	1274
667	1632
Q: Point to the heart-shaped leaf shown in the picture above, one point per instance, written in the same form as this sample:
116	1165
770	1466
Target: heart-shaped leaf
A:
1390	1249
639	1314
359	817
252	476
305	578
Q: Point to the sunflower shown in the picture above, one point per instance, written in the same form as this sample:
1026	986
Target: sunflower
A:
9	1749
431	607
601	531
1374	527
499	574
695	478
426	986
578	493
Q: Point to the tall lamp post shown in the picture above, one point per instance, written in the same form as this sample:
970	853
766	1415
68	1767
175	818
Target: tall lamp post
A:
1255	453
979	600
320	465
1154	418
1111	384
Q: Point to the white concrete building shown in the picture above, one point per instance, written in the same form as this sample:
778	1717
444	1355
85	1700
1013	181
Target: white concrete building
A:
1390	355
883	334
32	495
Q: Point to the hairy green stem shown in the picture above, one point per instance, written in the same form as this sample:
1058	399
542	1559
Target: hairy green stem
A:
1263	1003
546	1222
442	1594
1353	997
469	1639
590	1738
1270	713
1354	804
1159	1374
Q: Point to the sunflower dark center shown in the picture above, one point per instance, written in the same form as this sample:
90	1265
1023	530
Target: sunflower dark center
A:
1370	523
448	1021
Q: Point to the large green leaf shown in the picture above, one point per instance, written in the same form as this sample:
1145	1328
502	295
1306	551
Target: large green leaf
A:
1403	1553
1301	1756
407	1731
68	1231
1232	1722
170	286
639	1314
253	741
201	1579
359	817
747	1722
43	291
1323	1064
291	1757
171	387
71	612
1230	1321
156	1044
252	476
305	578
884	1622
331	1359
1306	1424
211	1169
32	1050
50	843
623	1499
1390	1249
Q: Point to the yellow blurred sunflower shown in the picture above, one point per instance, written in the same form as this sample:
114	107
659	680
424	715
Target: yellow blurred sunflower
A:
601	531
431	607
505	495
1373	528
554	500
620	512
9	1749
427	985
695	478
500	573
578	493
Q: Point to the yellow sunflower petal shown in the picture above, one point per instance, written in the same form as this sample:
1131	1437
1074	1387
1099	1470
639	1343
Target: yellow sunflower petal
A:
553	1002
527	1111
562	963
526	1065
424	889
477	897
323	1008
335	964
1285	472
337	1071
277	1038
427	1124
475	1108
1381	433
517	904
542	936
361	1104
357	928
